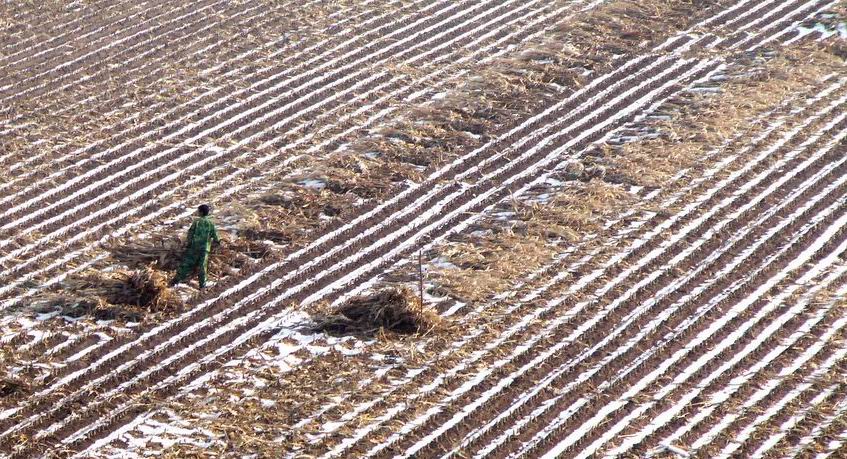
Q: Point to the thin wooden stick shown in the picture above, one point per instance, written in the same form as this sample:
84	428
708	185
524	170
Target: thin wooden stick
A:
420	277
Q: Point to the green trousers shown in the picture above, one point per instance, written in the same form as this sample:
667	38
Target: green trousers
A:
193	259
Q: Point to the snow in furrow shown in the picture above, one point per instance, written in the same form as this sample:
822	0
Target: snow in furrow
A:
805	256
331	235
739	439
549	403
110	44
769	331
552	157
159	115
249	94
207	151
280	316
443	170
216	333
558	277
6	62
724	395
514	406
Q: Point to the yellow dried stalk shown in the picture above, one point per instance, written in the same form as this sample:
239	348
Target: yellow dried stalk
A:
384	313
490	266
710	120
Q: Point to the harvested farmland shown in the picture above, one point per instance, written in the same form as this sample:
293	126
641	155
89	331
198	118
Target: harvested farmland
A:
539	228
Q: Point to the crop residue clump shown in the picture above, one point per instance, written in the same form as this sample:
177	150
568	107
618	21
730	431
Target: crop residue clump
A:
390	310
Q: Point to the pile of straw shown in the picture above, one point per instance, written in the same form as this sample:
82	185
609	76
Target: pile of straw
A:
165	253
160	252
390	310
125	295
148	289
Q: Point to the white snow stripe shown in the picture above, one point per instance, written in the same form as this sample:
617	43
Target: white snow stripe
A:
289	66
276	318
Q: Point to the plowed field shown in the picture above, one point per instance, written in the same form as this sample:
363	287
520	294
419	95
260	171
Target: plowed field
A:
630	217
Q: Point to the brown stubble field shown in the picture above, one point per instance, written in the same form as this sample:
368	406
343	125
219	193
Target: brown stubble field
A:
627	217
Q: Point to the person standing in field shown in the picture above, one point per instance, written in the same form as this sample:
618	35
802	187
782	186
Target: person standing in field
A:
201	234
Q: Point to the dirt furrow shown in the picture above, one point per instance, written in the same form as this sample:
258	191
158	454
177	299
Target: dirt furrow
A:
296	93
128	142
464	165
445	225
596	404
797	406
530	380
167	159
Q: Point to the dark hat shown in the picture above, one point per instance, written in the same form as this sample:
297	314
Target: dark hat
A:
204	209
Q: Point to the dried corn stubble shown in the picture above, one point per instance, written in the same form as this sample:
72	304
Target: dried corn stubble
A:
349	175
165	253
702	122
290	206
652	162
595	38
261	420
486	266
573	212
162	252
387	312
126	295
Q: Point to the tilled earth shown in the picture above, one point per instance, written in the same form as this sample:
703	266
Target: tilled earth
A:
630	215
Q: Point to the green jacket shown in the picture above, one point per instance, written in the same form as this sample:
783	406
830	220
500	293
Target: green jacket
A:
201	234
